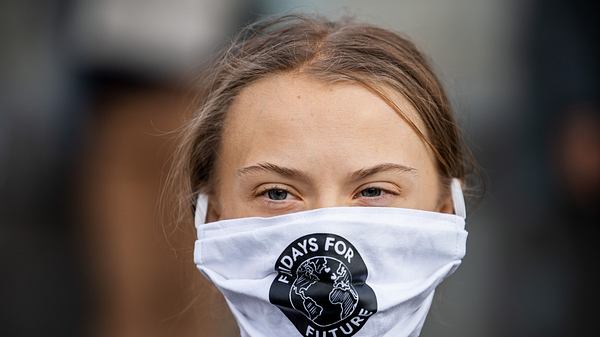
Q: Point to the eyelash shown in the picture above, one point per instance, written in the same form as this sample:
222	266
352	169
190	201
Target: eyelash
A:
384	191
264	192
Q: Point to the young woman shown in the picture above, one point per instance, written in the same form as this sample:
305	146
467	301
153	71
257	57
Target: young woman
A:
303	120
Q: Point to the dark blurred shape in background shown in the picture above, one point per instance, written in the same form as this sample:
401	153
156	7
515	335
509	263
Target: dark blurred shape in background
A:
91	90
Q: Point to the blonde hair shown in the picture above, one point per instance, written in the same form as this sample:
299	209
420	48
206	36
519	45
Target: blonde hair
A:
332	51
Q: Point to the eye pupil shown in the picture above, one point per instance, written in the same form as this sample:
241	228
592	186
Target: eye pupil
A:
371	192
277	194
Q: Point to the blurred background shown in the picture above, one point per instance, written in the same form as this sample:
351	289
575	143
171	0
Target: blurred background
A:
90	90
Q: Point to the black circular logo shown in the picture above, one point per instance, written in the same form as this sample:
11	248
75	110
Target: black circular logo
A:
320	286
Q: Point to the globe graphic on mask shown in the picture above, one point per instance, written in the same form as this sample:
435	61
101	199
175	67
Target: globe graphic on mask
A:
323	291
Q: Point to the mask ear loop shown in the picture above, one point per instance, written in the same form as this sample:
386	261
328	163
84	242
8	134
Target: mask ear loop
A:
201	209
458	199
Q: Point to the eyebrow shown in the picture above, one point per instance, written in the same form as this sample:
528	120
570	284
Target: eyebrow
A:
385	167
297	174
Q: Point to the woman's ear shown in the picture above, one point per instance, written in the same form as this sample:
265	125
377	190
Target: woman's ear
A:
446	205
212	212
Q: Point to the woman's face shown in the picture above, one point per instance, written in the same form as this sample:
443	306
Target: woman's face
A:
294	143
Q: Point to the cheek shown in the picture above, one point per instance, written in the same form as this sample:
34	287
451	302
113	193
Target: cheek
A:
233	201
425	190
426	195
433	195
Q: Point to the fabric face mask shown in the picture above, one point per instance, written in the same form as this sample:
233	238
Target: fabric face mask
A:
332	272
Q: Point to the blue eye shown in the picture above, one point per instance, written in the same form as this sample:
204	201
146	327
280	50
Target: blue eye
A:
277	194
371	192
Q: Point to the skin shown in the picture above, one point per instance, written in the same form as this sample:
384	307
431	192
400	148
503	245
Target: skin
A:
293	143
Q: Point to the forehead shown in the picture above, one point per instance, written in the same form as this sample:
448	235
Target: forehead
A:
298	118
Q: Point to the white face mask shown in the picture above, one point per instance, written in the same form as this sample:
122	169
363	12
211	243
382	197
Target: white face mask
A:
332	272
